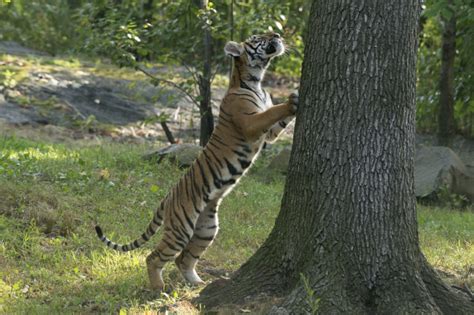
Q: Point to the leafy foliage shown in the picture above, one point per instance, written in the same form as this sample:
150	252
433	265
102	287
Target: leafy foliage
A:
429	64
133	33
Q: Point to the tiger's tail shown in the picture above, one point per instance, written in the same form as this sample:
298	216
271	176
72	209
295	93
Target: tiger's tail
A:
154	225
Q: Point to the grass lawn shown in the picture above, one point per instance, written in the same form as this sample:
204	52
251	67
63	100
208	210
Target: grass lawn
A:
52	195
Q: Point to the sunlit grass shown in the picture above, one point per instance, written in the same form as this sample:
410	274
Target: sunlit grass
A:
447	240
52	195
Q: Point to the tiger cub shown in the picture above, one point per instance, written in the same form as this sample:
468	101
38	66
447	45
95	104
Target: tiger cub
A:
247	119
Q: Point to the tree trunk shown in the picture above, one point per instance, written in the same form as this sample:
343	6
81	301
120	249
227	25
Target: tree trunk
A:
231	31
205	107
347	226
446	82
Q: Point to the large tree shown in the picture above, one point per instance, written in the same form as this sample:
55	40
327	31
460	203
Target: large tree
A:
347	230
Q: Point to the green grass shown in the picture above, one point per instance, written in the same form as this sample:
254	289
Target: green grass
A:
52	195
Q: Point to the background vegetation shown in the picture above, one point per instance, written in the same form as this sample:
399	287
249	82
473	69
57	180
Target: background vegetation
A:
141	32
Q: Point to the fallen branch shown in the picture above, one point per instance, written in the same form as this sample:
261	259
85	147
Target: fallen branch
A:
74	108
168	133
168	82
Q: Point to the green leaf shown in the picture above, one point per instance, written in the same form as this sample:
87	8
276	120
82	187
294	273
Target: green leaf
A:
154	188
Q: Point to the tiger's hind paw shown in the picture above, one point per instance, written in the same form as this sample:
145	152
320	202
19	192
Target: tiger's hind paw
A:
192	277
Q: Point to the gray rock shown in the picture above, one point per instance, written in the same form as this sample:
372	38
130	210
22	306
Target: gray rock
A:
275	310
182	154
13	48
436	167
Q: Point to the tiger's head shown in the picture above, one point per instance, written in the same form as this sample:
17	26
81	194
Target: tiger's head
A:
258	50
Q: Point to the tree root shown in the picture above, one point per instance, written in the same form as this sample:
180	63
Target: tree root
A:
330	294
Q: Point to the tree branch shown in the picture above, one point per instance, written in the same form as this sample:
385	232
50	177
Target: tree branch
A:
168	82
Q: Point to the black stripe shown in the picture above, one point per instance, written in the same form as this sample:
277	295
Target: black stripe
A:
228	182
178	231
157	214
215	179
145	237
156	222
244	85
232	170
282	124
239	138
216	139
244	163
135	243
150	230
240	153
216	158
204	238
116	246
211	143
186	234
223	111
179	219
166	257
211	227
213	210
125	248
186	186
179	239
190	222
108	243
251	113
225	119
241	94
203	176
171	245
252	101
253	78
223	123
191	254
246	148
196	187
193	192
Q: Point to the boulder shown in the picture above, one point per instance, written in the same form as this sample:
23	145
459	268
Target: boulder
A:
436	167
181	154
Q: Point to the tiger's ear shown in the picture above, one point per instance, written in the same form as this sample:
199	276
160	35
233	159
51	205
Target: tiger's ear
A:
233	49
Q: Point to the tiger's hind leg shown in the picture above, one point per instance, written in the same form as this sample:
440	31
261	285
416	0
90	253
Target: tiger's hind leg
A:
206	230
163	253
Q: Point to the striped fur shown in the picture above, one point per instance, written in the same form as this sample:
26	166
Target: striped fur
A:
247	119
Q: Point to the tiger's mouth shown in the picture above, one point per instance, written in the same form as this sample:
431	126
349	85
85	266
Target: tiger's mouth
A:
275	48
270	49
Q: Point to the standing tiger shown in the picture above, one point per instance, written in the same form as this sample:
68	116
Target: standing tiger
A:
247	119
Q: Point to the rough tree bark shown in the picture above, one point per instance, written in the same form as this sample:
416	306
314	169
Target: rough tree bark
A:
348	222
446	81
205	108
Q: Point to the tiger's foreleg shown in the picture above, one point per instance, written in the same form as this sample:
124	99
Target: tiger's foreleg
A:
204	234
277	129
255	125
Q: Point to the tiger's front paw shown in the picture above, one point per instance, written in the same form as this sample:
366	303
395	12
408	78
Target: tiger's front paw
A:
293	102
